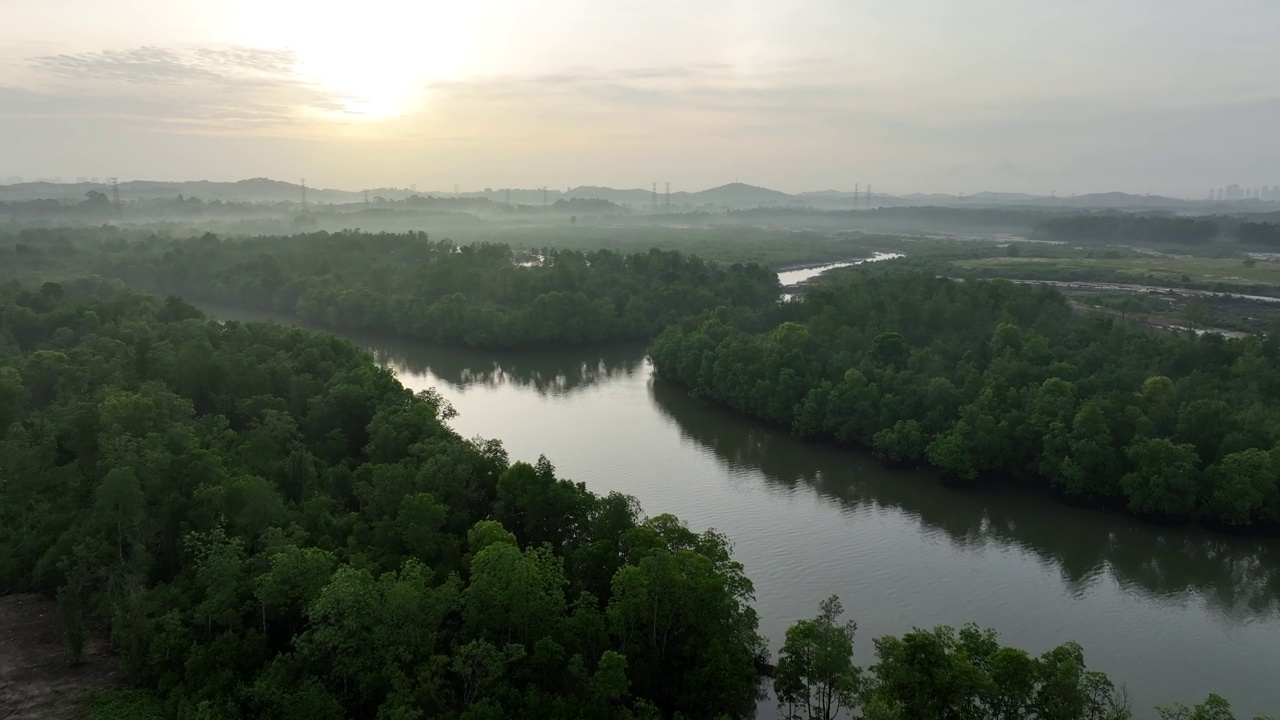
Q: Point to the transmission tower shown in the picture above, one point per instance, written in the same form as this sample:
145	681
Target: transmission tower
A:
668	197
303	183
366	199
857	192
655	197
868	196
115	194
508	198
544	198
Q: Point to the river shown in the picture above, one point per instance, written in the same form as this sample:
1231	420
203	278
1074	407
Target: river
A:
795	276
1171	613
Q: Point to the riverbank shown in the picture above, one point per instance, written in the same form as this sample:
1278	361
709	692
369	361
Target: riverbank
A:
902	550
1171	612
996	482
988	379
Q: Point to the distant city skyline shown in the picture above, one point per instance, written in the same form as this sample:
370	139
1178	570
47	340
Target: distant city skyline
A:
1235	192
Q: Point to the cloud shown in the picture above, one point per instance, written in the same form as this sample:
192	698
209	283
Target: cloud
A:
138	65
820	98
202	89
261	60
713	99
797	99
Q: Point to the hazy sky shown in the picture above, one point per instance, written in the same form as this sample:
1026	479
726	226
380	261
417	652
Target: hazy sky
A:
1166	96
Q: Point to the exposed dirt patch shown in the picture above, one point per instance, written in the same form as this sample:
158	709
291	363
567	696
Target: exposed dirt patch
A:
1228	316
36	677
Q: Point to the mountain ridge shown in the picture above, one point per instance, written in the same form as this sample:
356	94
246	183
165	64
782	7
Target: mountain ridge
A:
734	195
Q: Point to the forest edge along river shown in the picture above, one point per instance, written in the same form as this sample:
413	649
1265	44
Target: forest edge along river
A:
1170	613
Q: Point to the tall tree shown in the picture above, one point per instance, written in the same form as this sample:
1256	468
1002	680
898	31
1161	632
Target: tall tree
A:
815	674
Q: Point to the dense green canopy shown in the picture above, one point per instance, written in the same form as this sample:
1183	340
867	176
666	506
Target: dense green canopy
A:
274	527
482	295
990	378
1117	228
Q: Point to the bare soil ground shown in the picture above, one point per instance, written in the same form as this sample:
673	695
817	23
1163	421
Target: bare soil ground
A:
36	677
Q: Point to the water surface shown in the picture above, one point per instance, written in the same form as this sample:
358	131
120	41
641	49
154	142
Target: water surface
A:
1172	613
791	278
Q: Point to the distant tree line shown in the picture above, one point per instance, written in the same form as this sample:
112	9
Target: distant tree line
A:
457	204
1118	228
97	206
994	379
587	206
1158	229
1259	233
483	295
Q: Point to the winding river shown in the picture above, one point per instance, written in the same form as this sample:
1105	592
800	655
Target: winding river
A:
1171	613
796	276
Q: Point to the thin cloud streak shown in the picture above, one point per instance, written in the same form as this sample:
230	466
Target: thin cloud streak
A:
203	90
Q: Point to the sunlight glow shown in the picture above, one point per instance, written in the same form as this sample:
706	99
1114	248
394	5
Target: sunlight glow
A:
373	58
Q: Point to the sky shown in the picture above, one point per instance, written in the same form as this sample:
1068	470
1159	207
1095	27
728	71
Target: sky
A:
1163	96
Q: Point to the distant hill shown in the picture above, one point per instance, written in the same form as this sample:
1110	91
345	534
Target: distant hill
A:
739	196
734	195
635	196
1121	200
1001	197
253	190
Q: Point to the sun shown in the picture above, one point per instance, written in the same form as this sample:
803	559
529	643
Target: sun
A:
375	58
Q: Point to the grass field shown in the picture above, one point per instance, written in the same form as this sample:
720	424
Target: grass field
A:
1172	271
